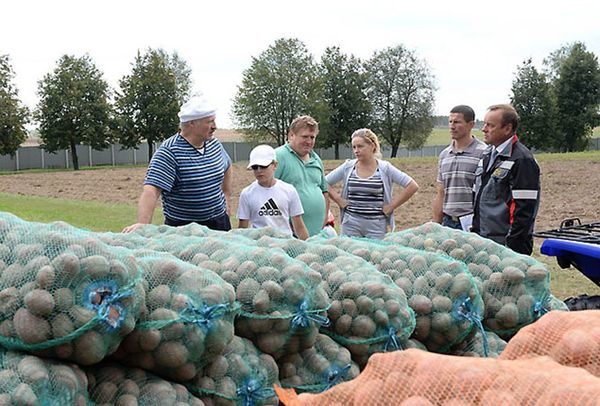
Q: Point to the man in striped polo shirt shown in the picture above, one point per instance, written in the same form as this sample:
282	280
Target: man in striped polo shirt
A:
191	172
456	171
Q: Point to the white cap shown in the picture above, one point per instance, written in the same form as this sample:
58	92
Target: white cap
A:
196	108
262	155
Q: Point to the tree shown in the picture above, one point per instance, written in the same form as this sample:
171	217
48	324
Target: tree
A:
344	86
401	91
280	84
150	98
534	101
13	115
577	90
74	107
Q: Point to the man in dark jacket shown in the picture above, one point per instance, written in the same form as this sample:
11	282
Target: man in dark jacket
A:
507	184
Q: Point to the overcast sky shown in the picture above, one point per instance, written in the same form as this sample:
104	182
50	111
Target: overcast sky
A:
472	47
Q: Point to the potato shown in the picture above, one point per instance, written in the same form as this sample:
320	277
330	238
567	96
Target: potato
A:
171	354
31	328
89	348
420	304
39	302
24	395
9	300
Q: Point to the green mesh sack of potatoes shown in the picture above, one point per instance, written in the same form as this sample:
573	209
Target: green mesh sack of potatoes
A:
319	368
114	384
64	293
187	317
275	293
367	308
439	289
258	233
514	287
242	375
29	380
282	300
479	344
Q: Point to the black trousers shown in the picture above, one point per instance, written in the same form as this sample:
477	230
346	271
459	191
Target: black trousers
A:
220	223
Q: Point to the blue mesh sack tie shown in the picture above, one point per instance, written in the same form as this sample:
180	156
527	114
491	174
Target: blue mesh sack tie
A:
253	391
463	310
335	375
392	341
100	297
302	317
203	316
539	307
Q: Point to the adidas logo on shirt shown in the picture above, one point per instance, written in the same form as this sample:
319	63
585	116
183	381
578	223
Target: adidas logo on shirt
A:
269	209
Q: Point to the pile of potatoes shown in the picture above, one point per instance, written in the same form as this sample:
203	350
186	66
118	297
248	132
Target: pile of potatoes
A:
241	375
512	286
435	285
114	384
319	368
29	380
63	294
187	317
280	298
367	308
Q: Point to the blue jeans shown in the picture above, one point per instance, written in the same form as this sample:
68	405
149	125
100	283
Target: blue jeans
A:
448	221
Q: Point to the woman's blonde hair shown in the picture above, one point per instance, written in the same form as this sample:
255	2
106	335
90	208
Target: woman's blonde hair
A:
370	137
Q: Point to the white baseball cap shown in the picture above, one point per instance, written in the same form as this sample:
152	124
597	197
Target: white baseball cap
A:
196	108
262	155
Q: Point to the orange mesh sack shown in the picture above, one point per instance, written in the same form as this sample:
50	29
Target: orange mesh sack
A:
514	287
414	377
439	289
572	339
369	312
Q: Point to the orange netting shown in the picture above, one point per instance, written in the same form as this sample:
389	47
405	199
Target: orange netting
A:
571	339
416	377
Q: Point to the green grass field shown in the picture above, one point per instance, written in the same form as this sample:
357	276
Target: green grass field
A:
89	215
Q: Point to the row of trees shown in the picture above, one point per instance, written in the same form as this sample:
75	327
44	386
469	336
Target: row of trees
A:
559	106
392	93
78	107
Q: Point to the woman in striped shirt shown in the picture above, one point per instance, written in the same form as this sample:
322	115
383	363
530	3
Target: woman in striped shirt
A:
367	202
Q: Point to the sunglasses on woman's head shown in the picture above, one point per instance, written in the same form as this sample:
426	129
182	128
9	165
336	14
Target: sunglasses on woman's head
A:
256	167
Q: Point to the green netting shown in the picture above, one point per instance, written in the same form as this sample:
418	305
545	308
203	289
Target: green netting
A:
282	301
64	293
258	233
188	317
240	376
29	380
114	384
367	308
514	287
479	344
319	368
440	290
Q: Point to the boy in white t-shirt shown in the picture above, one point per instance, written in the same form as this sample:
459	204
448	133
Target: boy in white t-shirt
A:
270	202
